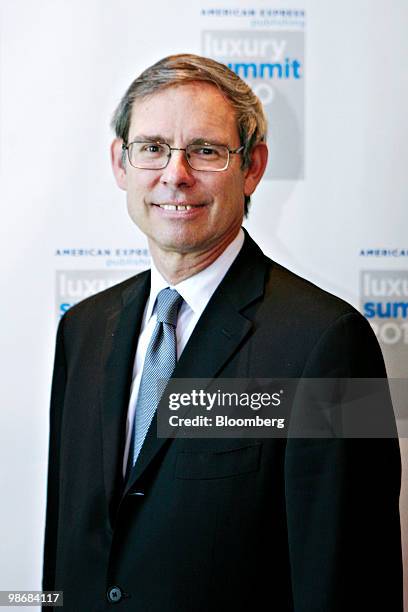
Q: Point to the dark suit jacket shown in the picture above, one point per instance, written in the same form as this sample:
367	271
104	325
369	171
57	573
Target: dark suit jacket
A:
226	524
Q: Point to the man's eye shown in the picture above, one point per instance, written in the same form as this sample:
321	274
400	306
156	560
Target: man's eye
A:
205	151
152	148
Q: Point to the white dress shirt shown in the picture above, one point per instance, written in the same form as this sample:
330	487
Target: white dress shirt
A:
196	292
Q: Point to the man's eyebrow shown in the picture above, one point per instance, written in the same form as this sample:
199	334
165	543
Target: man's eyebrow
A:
202	141
148	138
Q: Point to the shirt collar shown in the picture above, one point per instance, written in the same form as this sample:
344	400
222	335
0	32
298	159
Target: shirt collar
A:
197	289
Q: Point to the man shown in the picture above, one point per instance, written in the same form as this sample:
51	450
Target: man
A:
188	525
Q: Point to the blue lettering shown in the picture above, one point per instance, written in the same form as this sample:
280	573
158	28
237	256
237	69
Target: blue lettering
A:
386	310
287	70
403	307
245	69
64	307
296	65
369	310
384	313
271	68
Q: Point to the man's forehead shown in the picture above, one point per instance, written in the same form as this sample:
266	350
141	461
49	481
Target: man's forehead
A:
193	106
192	89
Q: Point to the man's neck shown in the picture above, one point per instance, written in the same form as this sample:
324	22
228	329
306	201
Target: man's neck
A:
176	267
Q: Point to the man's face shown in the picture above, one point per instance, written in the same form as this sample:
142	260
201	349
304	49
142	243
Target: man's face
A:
179	115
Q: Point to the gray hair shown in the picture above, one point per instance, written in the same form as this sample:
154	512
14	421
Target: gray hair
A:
185	68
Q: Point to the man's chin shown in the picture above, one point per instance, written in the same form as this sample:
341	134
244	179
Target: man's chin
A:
182	243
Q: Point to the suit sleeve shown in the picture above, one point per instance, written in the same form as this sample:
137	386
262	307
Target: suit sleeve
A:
342	495
52	510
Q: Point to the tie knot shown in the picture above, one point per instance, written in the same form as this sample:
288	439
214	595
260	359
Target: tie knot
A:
168	305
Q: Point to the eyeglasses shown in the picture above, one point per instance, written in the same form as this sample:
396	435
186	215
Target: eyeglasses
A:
156	155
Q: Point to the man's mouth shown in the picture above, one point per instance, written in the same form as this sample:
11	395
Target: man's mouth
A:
178	207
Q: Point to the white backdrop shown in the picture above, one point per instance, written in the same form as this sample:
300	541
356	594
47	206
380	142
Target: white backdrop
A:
333	208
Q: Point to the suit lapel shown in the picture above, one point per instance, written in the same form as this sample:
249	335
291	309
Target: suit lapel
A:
121	335
218	335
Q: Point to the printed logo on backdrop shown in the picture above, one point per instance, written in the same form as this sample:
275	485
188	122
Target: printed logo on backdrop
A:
136	258
90	270
271	61
72	286
384	302
382	252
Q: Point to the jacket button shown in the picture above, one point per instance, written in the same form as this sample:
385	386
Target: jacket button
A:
114	594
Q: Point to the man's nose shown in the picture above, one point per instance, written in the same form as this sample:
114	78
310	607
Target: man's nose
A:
178	172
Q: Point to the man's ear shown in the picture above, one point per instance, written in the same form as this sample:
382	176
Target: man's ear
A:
256	169
118	159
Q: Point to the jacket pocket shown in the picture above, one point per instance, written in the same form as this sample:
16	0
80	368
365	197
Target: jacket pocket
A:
218	464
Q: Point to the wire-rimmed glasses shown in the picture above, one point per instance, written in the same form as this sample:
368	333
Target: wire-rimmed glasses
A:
202	156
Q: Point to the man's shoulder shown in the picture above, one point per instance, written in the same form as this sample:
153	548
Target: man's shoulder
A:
320	333
111	298
290	294
297	304
302	294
